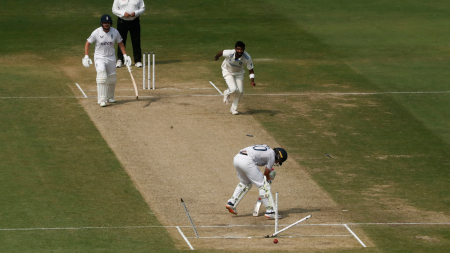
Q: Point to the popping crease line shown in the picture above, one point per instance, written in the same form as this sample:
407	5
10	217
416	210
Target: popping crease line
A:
166	89
80	228
199	95
353	93
250	237
221	226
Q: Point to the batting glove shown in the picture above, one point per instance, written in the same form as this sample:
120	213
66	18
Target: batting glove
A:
272	174
126	60
86	61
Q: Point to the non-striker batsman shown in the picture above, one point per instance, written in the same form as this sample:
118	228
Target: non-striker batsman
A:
104	57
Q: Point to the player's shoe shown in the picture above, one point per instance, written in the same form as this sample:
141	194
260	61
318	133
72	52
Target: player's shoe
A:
270	215
119	64
226	96
138	64
231	208
111	100
102	104
234	112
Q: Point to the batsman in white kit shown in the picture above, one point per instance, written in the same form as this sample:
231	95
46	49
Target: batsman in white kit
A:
105	59
246	164
233	73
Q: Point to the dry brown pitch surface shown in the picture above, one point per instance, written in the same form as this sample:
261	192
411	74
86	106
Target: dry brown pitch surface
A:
179	140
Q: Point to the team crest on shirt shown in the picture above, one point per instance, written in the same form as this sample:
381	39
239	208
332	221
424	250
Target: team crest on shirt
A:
101	37
240	63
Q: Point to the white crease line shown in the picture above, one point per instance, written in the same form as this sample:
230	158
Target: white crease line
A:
398	223
249	237
226	237
295	236
292	94
350	93
218	226
114	89
330	224
187	241
40	97
166	89
357	238
216	88
80	228
318	93
81	90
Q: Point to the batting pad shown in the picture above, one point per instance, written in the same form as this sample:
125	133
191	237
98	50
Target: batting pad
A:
240	191
102	88
111	82
266	196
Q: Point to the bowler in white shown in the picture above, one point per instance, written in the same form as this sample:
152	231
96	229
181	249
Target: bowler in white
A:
233	73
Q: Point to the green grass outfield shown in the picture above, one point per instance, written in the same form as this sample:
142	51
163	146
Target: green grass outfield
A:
389	150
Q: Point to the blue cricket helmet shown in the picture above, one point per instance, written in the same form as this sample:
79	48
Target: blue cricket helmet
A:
106	19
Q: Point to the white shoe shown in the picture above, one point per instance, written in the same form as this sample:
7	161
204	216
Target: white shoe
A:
119	64
102	104
226	96
138	64
111	100
231	208
234	112
270	215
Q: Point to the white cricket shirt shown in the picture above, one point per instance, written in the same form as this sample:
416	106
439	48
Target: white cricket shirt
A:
104	42
261	154
129	6
234	66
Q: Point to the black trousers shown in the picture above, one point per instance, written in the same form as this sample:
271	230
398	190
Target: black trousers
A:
134	27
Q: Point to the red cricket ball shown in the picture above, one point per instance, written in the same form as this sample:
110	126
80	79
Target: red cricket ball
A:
275	241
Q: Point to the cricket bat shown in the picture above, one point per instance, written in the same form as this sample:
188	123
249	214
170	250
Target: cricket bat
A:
258	202
257	206
134	83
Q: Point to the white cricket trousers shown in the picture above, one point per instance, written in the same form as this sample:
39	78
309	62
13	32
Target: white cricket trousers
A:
106	67
107	64
248	171
235	86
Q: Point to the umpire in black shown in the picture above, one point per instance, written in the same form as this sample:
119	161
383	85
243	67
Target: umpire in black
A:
128	12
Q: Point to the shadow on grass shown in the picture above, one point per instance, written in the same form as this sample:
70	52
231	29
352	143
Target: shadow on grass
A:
167	62
268	112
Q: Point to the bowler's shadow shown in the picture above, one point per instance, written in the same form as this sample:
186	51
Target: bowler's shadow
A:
268	112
